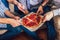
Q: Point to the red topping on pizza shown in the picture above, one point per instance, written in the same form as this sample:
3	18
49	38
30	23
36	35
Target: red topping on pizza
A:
31	24
32	16
25	21
38	19
31	20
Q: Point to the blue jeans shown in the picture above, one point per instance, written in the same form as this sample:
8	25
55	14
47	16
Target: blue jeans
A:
15	31
51	30
30	33
51	33
11	32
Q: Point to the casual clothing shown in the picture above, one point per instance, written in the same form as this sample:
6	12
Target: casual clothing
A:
57	22
2	15
30	2
33	8
57	3
56	12
11	31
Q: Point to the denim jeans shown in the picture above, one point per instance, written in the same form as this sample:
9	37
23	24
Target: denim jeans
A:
15	31
11	32
51	33
30	33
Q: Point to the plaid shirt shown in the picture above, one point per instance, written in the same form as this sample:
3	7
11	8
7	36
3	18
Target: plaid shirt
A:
57	3
56	12
26	3
2	15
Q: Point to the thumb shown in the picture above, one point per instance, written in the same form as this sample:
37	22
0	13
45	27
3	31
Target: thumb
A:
44	19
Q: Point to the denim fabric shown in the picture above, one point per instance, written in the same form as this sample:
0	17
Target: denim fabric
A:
30	33
5	3
11	32
51	29
51	33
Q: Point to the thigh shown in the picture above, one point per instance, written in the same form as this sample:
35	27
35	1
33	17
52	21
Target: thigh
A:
57	26
11	32
51	30
30	33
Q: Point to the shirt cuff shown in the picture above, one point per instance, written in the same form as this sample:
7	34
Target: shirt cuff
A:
56	12
5	9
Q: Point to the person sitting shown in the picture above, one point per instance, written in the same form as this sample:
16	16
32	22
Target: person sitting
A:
13	21
38	6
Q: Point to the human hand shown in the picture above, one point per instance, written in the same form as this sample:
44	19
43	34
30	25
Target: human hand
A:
26	12
16	17
40	10
48	16
14	22
45	18
22	8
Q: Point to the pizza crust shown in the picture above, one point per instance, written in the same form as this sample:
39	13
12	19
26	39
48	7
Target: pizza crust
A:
33	28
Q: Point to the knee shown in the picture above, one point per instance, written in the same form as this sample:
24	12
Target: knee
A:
18	30
57	22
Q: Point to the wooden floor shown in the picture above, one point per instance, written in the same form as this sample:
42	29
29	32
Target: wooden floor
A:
23	36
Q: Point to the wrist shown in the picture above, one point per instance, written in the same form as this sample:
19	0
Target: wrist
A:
15	2
13	17
42	5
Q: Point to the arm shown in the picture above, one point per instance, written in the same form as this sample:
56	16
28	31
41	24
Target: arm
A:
8	13
45	2
40	9
49	15
10	21
4	21
13	1
19	5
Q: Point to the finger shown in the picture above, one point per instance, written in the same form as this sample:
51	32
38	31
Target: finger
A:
26	11
22	10
41	12
38	11
44	19
17	18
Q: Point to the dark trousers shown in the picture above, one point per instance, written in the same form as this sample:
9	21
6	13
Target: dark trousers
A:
11	32
14	31
51	30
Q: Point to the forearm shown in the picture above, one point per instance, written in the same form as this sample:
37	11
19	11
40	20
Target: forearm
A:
8	13
49	15
45	2
5	20
10	1
13	2
53	13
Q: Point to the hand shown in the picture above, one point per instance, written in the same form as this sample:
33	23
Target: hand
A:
16	17
44	18
40	10
14	22
48	16
21	7
26	12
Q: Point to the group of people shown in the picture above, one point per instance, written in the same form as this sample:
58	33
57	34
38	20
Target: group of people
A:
24	7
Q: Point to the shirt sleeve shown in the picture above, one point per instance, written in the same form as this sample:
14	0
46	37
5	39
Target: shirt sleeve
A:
56	12
2	6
